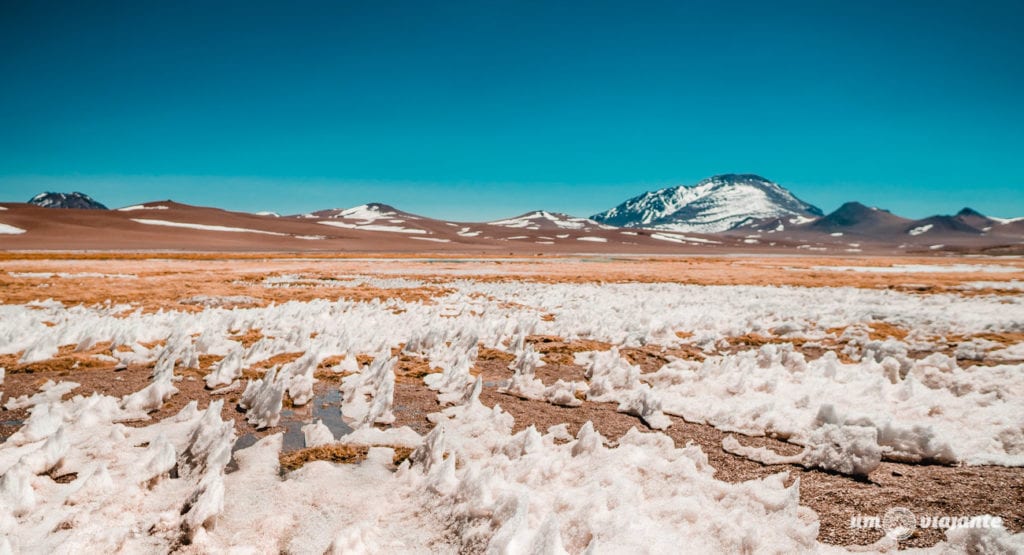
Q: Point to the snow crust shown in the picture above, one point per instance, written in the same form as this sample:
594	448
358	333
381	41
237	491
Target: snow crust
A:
472	484
924	269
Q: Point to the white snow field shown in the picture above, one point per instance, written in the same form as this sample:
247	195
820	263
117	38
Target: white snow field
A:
471	484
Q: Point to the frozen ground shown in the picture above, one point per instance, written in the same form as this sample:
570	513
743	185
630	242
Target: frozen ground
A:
836	381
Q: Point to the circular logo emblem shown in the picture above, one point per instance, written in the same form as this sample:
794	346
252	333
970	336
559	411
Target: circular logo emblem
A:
899	523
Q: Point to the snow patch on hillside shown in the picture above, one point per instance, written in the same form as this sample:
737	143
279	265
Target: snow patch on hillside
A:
10	230
205	227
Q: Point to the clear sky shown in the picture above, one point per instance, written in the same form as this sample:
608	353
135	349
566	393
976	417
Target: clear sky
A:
473	110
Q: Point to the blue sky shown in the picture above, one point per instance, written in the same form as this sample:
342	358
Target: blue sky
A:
473	110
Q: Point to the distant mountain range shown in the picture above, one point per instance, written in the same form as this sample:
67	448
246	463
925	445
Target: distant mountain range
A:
723	213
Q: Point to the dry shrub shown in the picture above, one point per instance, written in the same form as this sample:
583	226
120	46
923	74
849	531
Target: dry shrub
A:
248	338
486	354
1006	338
884	330
751	340
556	350
411	368
337	453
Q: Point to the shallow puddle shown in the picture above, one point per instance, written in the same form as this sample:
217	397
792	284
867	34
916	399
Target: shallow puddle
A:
325	406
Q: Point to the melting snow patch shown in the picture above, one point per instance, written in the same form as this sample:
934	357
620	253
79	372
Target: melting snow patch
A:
10	229
682	238
923	269
142	207
373	227
205	227
920	229
1013	285
593	239
222	301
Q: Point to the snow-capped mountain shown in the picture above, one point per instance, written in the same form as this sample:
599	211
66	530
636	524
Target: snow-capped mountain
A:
374	216
66	200
364	212
542	219
719	203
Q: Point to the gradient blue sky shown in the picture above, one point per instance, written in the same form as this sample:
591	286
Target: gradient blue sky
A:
472	110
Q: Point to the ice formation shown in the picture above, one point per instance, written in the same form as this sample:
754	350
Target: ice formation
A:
526	385
613	379
368	395
262	399
165	482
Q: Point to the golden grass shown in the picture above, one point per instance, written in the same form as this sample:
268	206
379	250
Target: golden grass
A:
337	453
883	330
554	349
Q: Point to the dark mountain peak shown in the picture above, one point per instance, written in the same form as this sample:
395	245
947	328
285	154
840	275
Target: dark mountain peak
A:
935	225
974	219
851	213
381	207
854	215
854	206
66	200
970	212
